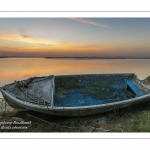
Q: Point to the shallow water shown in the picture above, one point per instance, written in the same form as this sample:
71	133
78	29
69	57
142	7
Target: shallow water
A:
22	68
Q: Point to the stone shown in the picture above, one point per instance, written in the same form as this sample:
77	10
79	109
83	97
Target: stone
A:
16	119
100	120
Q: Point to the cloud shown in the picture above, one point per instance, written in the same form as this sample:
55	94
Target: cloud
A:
26	39
24	44
25	36
90	22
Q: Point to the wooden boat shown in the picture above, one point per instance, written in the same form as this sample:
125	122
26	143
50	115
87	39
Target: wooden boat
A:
76	95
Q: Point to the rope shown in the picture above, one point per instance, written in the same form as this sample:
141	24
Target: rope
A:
94	128
47	107
29	95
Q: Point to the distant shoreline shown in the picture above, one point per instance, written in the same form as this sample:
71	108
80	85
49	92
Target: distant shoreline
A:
77	57
98	57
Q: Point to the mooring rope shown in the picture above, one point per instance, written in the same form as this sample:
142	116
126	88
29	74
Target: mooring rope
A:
29	95
94	128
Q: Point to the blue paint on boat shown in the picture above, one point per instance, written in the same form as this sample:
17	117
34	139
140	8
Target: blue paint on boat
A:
137	91
87	90
75	98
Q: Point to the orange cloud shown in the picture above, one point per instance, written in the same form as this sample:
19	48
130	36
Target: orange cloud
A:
27	39
89	22
25	36
45	45
24	44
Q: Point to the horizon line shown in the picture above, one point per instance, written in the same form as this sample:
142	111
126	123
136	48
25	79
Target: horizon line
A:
83	57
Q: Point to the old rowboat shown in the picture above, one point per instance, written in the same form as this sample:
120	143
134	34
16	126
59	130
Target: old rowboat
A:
76	95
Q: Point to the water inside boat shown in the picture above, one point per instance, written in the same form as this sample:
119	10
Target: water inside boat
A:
85	90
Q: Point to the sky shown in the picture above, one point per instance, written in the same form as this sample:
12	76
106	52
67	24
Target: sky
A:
79	37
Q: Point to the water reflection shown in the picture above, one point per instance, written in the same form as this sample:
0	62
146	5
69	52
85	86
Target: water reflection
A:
21	68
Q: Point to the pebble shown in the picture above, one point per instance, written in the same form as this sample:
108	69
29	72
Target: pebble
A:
16	119
100	120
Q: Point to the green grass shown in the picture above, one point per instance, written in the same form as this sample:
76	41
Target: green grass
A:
138	123
131	119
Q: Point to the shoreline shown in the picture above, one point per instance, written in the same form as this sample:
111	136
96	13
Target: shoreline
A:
76	57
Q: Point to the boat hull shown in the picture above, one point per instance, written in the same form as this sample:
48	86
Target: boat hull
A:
73	111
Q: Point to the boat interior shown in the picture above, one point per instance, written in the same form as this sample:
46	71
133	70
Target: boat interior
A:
87	90
76	90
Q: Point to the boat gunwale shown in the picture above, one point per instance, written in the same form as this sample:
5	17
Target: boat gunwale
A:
107	74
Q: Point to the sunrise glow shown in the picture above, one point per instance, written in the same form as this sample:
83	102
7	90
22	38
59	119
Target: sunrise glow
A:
52	37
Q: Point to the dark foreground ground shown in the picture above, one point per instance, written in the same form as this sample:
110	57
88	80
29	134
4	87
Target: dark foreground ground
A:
132	119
